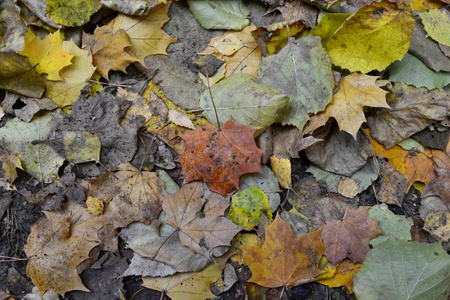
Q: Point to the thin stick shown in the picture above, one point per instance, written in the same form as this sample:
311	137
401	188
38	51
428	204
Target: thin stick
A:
110	84
212	99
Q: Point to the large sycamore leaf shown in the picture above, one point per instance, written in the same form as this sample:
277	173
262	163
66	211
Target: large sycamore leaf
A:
354	93
411	110
284	260
71	13
47	55
74	77
54	253
245	59
201	226
214	14
417	166
436	23
413	71
302	70
18	75
38	159
186	286
371	39
110	48
146	35
395	227
220	156
350	236
133	195
245	100
404	270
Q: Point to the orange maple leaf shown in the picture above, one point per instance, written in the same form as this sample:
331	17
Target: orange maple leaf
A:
417	166
284	260
220	156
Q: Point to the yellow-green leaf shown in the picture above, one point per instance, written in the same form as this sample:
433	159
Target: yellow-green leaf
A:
371	39
248	205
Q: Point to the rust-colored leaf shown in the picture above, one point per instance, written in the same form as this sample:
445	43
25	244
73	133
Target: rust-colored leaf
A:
349	237
220	157
417	166
284	259
201	226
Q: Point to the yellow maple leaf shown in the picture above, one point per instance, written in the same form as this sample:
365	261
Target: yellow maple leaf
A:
245	60
110	49
371	39
355	91
74	77
47	55
146	35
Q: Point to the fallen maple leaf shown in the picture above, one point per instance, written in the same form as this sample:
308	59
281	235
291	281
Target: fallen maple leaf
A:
284	260
74	77
220	156
110	49
355	91
47	54
350	236
146	35
417	166
132	195
54	253
200	230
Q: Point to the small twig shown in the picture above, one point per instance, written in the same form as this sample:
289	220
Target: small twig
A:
110	84
212	99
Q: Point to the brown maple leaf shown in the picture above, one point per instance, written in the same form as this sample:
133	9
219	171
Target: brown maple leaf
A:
200	230
220	156
54	254
349	237
284	260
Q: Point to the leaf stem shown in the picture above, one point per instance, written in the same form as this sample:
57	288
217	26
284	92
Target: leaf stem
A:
212	99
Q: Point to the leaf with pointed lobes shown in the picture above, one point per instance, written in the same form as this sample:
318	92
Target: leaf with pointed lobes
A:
220	156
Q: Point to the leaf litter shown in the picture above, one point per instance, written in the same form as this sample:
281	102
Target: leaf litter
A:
221	164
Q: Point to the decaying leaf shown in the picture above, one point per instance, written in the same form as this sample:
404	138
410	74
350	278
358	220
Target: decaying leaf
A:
436	23
345	271
411	110
220	157
71	13
184	210
247	207
132	195
300	263
55	253
350	236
